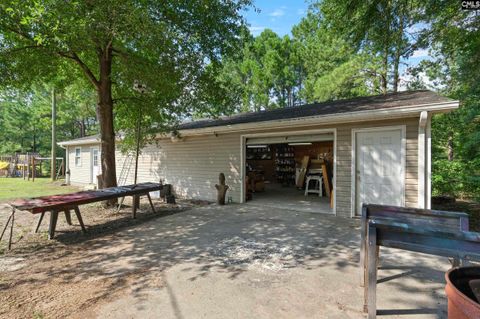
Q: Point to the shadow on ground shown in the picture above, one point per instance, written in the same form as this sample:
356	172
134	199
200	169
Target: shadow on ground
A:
311	254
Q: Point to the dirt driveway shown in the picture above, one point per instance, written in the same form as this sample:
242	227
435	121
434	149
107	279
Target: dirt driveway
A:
237	261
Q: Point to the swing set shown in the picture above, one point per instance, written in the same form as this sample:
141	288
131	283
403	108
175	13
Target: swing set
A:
28	165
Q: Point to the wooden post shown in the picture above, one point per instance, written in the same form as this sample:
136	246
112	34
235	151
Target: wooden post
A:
33	168
79	217
68	217
371	284
53	167
363	245
136	199
40	218
27	162
11	230
151	204
221	189
53	224
137	150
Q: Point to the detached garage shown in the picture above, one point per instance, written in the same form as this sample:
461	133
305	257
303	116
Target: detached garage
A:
324	157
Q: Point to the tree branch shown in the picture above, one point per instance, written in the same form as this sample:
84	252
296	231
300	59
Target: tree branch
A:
13	50
86	70
119	53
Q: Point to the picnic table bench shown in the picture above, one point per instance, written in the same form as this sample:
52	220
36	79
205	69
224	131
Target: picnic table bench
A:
419	230
56	204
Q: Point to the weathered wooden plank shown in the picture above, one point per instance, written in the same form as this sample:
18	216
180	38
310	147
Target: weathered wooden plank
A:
372	272
40	218
151	203
53	224
59	202
68	217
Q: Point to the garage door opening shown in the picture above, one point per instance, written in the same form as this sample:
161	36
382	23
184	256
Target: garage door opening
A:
293	172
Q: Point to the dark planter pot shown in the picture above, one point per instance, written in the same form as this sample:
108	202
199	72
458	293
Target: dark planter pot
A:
462	303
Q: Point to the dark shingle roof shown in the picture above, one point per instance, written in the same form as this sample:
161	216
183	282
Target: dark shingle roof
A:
377	102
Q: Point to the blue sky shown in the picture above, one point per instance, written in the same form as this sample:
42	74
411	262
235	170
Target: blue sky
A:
278	15
282	15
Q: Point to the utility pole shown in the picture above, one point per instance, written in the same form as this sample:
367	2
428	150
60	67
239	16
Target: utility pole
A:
53	166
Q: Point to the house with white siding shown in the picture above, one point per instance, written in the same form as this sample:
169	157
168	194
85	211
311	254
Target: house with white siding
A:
329	157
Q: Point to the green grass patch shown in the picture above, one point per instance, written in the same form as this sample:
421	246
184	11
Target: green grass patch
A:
12	188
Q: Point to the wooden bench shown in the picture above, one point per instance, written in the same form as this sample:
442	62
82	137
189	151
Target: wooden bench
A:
440	220
57	204
432	232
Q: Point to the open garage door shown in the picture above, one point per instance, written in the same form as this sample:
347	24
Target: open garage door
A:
291	170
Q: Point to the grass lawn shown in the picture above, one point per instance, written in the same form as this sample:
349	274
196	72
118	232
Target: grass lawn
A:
11	188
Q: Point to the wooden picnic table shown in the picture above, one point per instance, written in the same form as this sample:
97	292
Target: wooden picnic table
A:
56	204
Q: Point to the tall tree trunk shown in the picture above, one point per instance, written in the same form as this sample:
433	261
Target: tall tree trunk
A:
385	72
105	118
34	146
450	147
398	53
396	76
82	128
386	46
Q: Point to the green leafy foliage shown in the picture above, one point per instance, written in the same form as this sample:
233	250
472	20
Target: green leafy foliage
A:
380	28
170	47
454	36
315	64
25	117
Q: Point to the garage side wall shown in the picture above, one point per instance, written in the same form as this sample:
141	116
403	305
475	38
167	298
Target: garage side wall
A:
191	165
80	175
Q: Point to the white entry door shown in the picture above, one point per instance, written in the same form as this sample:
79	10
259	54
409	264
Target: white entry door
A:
94	164
380	161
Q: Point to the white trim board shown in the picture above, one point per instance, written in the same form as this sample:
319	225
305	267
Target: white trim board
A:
429	164
421	160
243	139
403	155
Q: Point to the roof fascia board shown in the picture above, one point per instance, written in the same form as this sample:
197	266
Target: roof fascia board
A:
83	142
399	112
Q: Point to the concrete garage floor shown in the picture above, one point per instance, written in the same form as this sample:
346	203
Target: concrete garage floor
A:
277	196
244	261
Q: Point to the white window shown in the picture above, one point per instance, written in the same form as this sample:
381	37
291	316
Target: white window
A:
95	157
78	156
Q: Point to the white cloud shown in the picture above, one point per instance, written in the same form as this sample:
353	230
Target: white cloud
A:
300	12
421	53
277	13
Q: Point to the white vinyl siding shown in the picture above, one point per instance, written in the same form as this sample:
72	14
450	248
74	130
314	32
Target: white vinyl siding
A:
80	175
192	165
